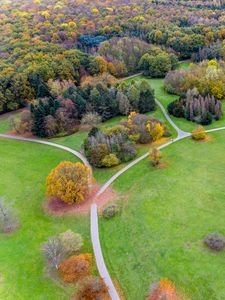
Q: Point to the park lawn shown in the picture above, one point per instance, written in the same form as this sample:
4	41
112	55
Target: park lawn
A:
166	213
24	167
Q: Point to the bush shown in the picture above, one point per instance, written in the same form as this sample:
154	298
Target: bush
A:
93	288
110	211
24	123
69	182
215	241
75	267
110	160
72	242
53	252
164	289
199	133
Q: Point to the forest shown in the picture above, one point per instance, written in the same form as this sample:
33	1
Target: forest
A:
69	41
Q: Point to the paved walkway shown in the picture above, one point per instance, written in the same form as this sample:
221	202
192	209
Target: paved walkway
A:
74	152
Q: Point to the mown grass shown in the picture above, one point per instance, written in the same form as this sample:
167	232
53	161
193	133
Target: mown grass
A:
166	213
24	167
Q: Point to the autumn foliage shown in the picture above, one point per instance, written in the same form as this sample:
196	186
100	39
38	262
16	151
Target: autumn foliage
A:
199	133
69	182
165	289
76	267
93	288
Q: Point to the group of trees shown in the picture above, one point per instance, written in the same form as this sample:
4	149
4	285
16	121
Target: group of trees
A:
208	77
157	63
109	148
196	108
67	105
63	256
117	144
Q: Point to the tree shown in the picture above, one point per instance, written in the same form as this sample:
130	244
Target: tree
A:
75	267
199	133
147	100
124	104
92	288
53	252
69	182
72	242
155	156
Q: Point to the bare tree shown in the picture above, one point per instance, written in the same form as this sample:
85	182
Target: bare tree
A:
53	252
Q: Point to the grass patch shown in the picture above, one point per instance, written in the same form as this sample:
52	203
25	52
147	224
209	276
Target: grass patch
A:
166	213
24	167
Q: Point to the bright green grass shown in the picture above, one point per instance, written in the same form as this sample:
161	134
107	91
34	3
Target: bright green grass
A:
166	213
5	125
23	169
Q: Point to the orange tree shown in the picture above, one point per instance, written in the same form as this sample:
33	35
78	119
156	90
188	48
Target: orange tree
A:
75	267
69	182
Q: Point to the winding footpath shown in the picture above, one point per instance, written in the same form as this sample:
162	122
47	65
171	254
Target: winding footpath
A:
94	209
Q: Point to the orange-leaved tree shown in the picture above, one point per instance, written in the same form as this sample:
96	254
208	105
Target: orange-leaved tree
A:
76	267
69	182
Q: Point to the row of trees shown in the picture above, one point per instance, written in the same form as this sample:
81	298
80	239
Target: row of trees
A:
196	108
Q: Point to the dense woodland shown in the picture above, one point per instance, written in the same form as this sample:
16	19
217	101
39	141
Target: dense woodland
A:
44	41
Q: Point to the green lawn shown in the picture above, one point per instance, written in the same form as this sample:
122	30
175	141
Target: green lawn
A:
24	167
165	215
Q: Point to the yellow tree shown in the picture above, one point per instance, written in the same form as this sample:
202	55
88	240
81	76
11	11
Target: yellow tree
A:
155	156
69	182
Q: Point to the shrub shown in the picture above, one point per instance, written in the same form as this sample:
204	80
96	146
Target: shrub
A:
110	211
53	252
72	242
155	156
93	288
199	133
110	160
8	218
69	182
164	289
215	241
75	267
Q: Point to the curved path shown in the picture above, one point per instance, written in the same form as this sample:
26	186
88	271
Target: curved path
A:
74	152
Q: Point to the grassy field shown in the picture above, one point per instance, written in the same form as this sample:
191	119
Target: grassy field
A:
166	213
24	167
